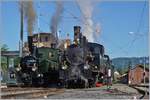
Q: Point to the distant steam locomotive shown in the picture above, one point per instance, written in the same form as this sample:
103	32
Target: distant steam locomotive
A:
81	64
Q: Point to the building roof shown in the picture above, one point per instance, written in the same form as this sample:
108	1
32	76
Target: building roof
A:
10	53
43	33
141	66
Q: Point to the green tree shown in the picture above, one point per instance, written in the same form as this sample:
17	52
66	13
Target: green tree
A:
4	47
120	70
3	59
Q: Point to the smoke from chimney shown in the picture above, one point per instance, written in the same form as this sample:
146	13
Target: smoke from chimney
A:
97	29
86	7
56	18
30	15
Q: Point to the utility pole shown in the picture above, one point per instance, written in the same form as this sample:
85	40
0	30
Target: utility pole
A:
144	69
145	73
38	18
21	30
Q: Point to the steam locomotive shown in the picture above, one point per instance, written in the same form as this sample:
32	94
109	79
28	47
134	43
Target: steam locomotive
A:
40	67
79	65
84	62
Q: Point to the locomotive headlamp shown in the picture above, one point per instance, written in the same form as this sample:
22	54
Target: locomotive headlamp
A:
96	67
18	68
40	75
34	68
85	67
34	65
65	45
64	67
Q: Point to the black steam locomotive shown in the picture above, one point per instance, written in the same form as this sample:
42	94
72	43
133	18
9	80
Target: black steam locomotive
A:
81	64
84	63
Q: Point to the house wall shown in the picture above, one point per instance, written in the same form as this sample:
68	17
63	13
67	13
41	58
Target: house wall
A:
136	75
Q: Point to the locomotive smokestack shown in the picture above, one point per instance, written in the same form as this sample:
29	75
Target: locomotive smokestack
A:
77	34
30	44
30	16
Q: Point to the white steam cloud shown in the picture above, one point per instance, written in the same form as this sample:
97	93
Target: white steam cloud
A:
86	7
98	29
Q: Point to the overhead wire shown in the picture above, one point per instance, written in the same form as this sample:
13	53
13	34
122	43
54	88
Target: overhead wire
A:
138	35
121	48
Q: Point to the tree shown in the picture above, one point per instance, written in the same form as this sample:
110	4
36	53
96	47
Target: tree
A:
4	47
120	70
3	59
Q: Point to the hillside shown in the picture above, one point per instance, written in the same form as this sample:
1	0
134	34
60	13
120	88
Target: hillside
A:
124	62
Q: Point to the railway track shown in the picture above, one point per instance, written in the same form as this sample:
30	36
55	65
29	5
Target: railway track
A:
117	91
28	93
143	89
11	89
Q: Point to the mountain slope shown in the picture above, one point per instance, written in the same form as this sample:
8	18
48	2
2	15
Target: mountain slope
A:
124	62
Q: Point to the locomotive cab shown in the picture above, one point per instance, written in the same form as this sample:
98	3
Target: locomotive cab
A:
49	65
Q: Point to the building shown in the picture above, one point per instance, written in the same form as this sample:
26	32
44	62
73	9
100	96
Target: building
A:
135	76
8	62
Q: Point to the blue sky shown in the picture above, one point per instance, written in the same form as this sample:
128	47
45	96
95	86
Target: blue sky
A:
117	20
